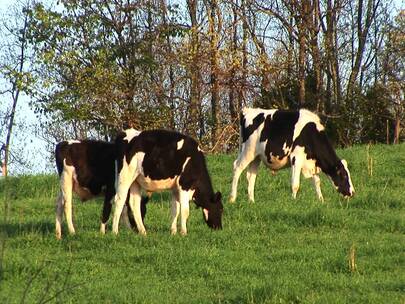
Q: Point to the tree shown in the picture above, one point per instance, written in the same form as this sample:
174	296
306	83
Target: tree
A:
16	76
393	75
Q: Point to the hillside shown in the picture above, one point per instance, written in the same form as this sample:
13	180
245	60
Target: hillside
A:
276	250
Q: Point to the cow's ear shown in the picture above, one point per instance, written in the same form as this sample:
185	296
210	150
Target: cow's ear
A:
218	197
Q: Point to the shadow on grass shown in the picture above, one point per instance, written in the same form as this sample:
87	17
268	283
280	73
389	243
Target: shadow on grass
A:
16	229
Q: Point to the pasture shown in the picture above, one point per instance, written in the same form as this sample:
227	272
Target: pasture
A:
276	250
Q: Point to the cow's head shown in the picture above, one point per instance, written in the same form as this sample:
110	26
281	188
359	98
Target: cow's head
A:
213	211
341	179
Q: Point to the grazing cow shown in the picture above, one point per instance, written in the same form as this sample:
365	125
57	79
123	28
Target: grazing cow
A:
87	168
158	160
279	138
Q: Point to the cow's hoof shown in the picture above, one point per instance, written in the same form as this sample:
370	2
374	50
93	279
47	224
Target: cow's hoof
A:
102	228
231	199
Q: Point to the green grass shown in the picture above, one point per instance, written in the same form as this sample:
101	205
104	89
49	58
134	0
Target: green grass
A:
276	250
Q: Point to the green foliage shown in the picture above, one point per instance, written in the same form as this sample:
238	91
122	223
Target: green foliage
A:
98	60
276	250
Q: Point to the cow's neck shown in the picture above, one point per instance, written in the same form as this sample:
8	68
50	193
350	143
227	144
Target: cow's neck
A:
327	159
204	192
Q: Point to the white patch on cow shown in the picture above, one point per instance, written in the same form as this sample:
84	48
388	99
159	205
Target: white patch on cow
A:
180	144
102	228
185	164
309	168
286	149
205	211
66	195
161	184
131	133
250	113
306	117
344	163
82	192
125	181
72	141
180	205
155	185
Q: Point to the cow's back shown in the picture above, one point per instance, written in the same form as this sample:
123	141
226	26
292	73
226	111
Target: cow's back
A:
163	157
93	162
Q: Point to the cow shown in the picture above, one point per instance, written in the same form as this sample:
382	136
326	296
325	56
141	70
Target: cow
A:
281	137
157	160
86	168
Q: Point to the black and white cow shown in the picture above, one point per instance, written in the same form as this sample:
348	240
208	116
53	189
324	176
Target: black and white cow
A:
158	160
279	138
87	168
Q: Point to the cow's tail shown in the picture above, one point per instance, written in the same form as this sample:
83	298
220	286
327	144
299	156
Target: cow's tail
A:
241	125
59	152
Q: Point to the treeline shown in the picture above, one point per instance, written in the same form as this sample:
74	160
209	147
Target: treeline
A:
92	66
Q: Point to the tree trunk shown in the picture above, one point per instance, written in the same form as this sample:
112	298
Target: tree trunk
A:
301	17
171	70
332	57
397	129
213	20
362	32
244	57
192	122
232	77
316	56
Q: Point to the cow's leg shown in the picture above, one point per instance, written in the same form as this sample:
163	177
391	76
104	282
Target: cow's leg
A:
135	204
251	174
243	160
119	201
184	197
59	214
317	184
105	215
295	175
66	189
175	210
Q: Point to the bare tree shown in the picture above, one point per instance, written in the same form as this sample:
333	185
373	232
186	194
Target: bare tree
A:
194	70
365	16
214	29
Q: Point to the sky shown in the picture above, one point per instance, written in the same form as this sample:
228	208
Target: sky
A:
31	146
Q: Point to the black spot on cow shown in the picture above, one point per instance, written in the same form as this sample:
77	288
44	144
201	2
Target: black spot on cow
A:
246	131
278	130
317	146
93	161
162	160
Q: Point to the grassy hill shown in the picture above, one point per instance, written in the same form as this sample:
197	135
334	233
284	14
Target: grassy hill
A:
276	250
